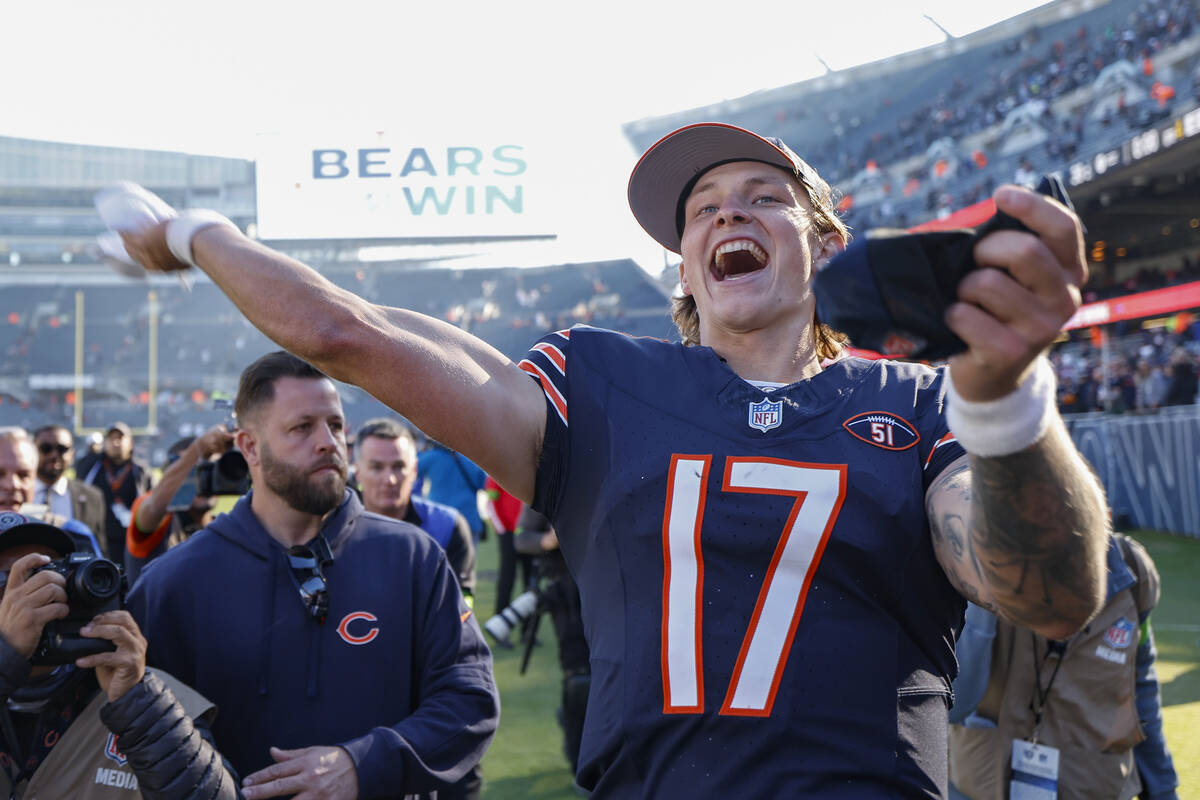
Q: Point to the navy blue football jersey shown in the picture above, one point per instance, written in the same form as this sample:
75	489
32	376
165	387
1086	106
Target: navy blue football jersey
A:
764	609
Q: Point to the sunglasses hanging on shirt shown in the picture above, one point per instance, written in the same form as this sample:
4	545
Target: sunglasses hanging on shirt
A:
308	562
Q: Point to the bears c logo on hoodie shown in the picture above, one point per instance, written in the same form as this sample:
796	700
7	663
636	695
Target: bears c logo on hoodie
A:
343	628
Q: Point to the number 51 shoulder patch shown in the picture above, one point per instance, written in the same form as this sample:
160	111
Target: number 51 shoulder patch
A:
883	429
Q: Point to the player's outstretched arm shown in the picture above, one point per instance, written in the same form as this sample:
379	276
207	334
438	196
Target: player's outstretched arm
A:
1021	524
453	386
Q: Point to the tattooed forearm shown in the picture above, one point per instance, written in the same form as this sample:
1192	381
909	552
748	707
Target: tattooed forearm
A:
1038	533
948	509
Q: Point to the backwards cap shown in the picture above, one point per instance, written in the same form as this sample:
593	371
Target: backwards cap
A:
666	173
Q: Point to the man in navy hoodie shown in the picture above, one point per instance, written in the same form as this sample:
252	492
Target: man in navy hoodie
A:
335	642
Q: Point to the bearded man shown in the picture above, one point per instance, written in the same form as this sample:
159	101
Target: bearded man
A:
335	643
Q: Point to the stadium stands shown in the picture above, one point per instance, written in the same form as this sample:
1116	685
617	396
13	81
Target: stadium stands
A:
203	342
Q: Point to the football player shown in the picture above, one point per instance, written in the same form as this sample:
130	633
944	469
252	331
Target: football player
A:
772	543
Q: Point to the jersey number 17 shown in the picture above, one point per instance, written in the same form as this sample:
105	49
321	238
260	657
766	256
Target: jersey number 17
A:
819	490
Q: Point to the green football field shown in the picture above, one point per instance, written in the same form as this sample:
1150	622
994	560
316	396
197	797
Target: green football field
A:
526	760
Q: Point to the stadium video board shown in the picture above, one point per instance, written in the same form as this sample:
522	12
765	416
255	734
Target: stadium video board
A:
401	185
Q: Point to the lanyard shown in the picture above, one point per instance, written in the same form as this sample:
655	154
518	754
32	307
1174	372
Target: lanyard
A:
115	481
1040	695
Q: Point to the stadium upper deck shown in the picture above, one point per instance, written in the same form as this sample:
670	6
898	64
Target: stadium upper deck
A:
917	136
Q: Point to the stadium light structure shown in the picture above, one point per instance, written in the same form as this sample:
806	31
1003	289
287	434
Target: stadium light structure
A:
939	26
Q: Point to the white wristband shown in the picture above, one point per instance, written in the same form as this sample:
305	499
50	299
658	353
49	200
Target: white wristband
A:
1008	424
182	228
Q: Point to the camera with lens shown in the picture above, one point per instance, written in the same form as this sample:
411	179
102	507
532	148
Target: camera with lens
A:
229	474
94	585
502	625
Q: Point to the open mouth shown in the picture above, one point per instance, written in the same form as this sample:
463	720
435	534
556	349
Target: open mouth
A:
737	258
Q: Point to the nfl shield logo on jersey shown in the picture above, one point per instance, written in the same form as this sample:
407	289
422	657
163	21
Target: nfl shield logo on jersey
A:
1120	634
766	415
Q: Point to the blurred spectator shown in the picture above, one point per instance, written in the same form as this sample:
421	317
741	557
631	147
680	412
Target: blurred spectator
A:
121	480
385	462
504	511
1151	386
93	453
18	487
559	595
18	469
454	480
386	469
162	518
66	497
1181	390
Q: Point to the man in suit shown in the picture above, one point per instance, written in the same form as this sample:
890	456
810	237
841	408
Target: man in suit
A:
66	497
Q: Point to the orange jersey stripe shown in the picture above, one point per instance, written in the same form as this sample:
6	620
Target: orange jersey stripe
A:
947	439
556	399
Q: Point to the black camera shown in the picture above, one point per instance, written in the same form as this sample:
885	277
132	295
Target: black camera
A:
94	585
229	474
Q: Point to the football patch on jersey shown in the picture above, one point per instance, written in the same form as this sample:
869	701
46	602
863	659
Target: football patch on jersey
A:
883	429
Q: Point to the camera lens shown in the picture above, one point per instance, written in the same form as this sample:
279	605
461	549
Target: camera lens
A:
97	580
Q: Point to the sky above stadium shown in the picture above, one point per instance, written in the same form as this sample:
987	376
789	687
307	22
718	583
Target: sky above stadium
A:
211	77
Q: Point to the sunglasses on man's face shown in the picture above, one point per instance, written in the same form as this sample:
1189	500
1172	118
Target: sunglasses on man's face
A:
46	448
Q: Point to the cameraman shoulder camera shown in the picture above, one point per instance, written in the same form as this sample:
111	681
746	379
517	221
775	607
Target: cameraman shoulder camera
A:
71	657
199	469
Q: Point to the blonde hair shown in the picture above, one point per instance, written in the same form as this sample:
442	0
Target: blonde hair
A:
829	342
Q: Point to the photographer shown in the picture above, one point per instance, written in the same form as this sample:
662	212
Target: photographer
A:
105	725
156	527
560	596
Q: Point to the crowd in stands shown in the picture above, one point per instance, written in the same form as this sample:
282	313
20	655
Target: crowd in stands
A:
202	339
1027	74
916	139
1140	372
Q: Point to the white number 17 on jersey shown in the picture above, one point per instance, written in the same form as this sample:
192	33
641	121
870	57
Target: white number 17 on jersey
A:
818	490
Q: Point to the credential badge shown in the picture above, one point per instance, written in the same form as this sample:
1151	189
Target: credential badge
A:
766	415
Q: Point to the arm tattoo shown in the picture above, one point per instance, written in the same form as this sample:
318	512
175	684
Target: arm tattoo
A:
951	532
1038	532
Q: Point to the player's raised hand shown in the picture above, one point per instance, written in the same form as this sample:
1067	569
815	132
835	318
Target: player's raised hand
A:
145	233
148	247
129	210
1013	307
